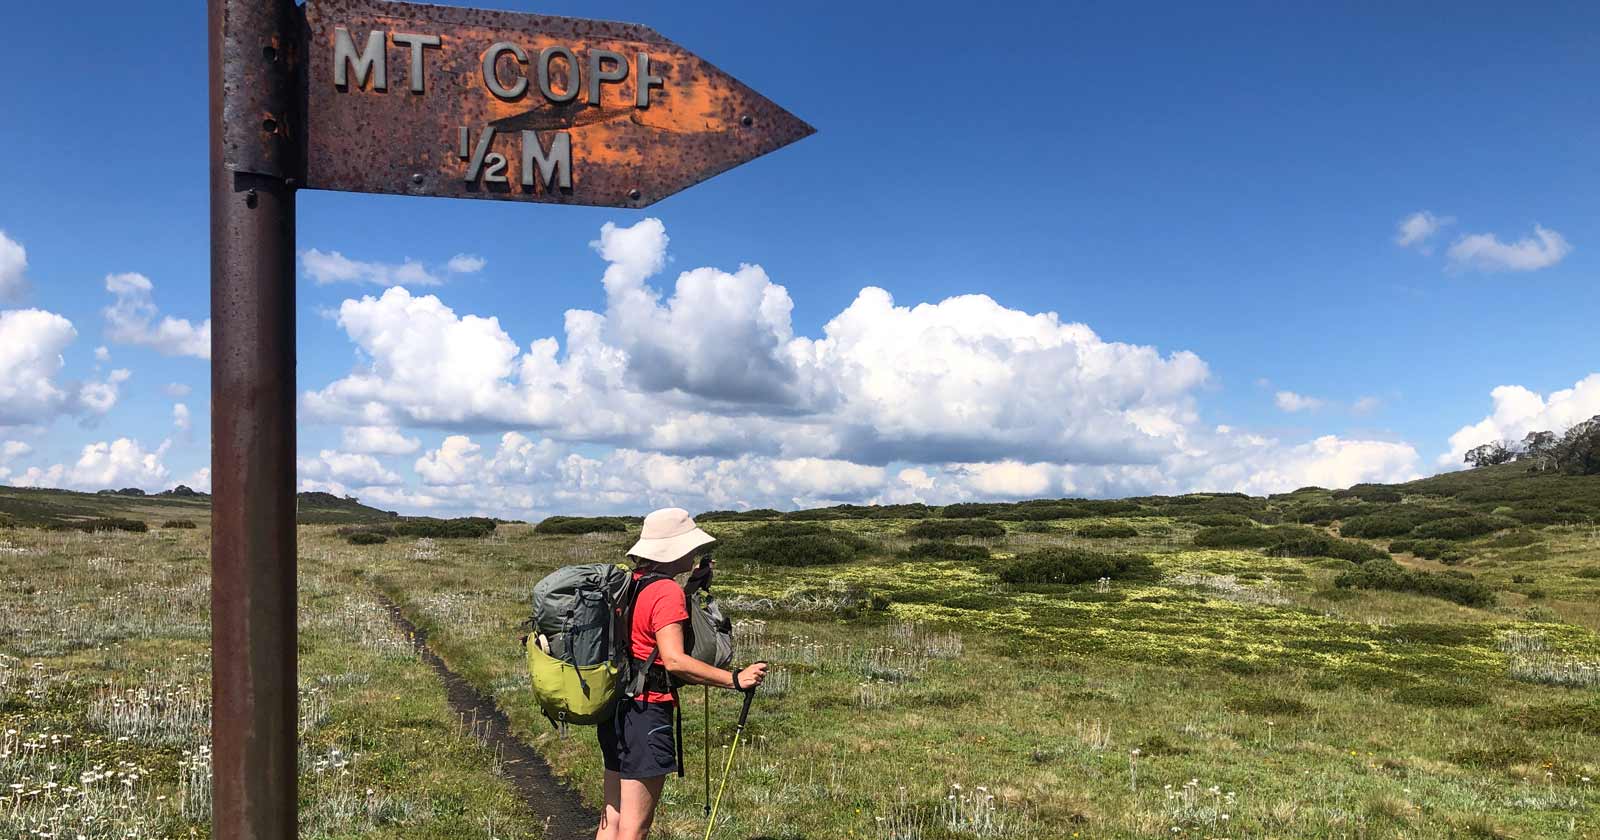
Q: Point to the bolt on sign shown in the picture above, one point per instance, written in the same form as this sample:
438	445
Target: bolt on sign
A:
465	103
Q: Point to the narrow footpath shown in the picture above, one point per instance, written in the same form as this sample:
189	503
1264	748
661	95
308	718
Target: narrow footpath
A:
554	805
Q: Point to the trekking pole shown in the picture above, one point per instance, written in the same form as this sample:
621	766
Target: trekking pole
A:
744	714
707	752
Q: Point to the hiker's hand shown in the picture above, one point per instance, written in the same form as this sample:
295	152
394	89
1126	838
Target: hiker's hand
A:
752	675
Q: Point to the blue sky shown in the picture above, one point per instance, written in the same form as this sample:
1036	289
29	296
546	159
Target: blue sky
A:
1222	181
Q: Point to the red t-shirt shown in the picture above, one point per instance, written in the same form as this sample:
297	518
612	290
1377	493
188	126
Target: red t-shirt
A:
660	603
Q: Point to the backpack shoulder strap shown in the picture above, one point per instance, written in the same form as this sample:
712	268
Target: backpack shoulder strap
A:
636	682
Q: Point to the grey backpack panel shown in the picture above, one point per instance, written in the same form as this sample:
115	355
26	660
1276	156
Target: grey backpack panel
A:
573	608
711	632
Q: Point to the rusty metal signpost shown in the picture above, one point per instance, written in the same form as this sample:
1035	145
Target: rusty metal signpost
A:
389	97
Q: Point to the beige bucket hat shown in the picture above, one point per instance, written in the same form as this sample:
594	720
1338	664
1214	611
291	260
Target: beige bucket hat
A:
669	534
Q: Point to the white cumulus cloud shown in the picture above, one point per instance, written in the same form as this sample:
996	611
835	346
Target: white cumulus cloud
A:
465	264
1292	402
31	344
132	319
101	397
379	440
700	392
456	461
1485	252
346	468
716	367
1415	230
104	465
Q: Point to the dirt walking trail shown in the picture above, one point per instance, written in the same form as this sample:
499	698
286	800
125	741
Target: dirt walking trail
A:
553	804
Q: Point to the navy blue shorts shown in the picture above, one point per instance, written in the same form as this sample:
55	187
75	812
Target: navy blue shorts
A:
638	742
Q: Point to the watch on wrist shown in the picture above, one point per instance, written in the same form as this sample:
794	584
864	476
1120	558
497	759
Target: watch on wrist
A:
734	674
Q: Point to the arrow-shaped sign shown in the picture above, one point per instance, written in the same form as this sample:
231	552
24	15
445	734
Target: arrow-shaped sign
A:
466	103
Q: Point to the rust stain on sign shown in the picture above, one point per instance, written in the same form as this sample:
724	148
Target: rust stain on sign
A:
466	103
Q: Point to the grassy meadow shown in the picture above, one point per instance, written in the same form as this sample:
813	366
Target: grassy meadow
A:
1205	666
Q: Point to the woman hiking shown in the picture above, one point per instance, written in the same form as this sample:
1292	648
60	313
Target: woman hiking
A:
638	744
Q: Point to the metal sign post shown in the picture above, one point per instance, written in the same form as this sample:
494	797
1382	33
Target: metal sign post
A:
253	668
392	97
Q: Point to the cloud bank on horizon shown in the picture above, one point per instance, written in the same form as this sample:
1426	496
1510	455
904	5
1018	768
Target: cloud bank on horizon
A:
705	395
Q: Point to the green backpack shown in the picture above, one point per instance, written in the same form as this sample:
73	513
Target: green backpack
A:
579	654
577	623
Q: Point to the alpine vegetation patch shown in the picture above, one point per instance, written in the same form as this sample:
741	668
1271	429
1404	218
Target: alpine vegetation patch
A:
1388	575
943	529
1107	531
1288	541
582	525
940	550
1059	565
794	544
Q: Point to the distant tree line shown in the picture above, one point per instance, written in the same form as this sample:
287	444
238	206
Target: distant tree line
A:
1577	452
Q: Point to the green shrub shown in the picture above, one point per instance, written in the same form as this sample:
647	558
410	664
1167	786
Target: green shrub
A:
1220	520
1318	544
937	550
914	510
1036	527
1391	576
7	520
1581	716
1385	524
1267	705
580	525
1588	573
754	515
1543	515
179	523
815	515
108	523
939	529
1288	541
465	527
1440	696
794	544
1233	536
1442	551
1073	565
1462	527
367	538
1324	514
1371	493
1107	532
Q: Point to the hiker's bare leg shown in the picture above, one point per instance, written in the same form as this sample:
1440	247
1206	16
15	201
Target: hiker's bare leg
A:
639	798
611	817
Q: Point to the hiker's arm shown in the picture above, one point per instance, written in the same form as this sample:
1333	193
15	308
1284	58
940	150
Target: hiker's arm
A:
669	642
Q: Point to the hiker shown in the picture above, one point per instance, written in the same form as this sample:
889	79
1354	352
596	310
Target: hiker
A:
638	743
